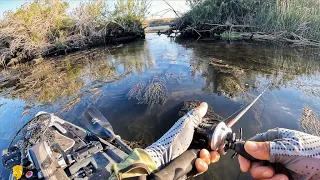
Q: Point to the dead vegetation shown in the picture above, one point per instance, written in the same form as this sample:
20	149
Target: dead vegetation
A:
155	92
136	91
292	21
43	28
188	105
68	79
173	78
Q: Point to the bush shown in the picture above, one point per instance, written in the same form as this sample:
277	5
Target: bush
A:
33	26
129	13
44	27
294	18
91	16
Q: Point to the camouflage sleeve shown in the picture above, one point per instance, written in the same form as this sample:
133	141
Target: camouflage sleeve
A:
138	164
172	144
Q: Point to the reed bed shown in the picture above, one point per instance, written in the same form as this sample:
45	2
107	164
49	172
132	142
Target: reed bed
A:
293	21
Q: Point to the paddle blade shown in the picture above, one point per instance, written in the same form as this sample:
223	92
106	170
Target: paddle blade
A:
96	123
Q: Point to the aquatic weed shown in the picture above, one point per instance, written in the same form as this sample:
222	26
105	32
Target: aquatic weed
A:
156	92
71	104
136	91
172	78
309	122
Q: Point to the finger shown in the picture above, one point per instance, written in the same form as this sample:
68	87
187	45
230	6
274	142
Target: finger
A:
259	150
244	164
259	171
270	135
214	156
278	177
205	156
202	109
201	166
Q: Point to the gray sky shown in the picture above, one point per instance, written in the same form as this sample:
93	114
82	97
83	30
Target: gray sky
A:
158	7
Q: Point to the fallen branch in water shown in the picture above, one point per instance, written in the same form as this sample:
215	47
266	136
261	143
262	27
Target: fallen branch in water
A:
298	41
215	31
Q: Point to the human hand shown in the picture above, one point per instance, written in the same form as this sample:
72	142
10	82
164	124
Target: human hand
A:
178	139
297	151
205	158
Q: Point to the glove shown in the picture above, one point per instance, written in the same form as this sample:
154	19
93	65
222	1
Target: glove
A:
142	162
297	151
177	139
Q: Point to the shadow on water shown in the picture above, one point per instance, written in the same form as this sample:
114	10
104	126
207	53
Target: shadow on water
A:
227	75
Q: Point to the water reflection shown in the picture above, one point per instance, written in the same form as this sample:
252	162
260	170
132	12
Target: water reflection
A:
74	75
226	75
231	69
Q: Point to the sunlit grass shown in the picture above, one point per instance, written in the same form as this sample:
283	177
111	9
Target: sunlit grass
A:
41	28
294	19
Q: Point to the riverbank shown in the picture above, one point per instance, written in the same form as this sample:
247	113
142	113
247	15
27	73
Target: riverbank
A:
293	21
46	28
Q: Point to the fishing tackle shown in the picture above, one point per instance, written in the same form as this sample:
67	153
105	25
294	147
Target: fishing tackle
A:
219	137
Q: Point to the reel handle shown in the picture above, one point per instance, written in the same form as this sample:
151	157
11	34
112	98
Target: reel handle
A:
239	148
178	167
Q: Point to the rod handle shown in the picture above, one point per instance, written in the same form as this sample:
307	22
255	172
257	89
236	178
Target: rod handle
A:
179	167
239	148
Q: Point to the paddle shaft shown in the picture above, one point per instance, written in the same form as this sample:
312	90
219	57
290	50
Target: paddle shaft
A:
125	147
96	123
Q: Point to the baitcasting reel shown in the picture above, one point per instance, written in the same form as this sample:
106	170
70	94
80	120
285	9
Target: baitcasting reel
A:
221	138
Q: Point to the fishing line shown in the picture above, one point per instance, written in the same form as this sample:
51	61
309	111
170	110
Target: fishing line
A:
248	104
260	118
264	106
257	132
233	114
239	175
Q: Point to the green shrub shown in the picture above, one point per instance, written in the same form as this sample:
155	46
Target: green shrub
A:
35	25
129	13
293	18
44	26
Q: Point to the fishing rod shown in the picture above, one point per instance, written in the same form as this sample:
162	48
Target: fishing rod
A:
219	137
234	120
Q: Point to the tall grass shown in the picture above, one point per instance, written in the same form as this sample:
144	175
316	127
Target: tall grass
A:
293	18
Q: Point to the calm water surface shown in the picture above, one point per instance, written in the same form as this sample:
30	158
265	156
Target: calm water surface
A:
227	75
